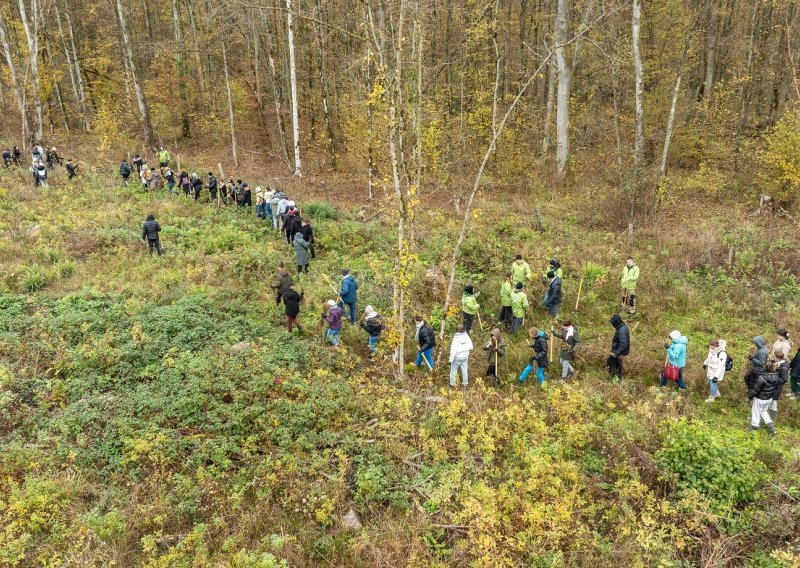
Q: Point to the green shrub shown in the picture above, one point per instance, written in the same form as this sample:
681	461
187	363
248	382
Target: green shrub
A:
108	527
718	465
319	211
34	278
65	269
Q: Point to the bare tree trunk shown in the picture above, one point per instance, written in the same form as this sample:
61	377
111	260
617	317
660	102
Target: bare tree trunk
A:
48	60
193	26
587	16
181	65
32	34
711	50
293	80
617	136
67	56
744	90
77	64
331	142
141	102
230	104
548	112
277	95
638	148
564	85
370	142
662	169
15	85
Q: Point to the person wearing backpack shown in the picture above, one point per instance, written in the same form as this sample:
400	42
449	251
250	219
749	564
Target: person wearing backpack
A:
373	325
717	363
570	344
124	171
676	357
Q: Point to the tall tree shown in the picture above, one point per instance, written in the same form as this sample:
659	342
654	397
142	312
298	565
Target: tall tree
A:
638	69
32	35
141	102
293	79
181	65
564	86
19	96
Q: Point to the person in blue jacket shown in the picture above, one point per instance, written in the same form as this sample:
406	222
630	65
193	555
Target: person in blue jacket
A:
676	355
348	294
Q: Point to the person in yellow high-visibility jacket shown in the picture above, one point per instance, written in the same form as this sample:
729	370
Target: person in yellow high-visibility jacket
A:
520	271
469	306
630	277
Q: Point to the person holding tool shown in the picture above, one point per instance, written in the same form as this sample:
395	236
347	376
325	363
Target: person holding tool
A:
470	307
630	276
496	348
427	341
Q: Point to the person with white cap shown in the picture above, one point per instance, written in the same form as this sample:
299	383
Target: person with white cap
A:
676	359
334	321
261	204
373	325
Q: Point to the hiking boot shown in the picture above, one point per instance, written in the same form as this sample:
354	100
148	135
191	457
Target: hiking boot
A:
751	428
771	428
773	414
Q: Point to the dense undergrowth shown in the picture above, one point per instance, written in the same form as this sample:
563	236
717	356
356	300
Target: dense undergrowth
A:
155	412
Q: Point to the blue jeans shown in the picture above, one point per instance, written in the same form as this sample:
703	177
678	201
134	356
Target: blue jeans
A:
714	387
333	336
352	307
527	371
553	309
681	384
428	354
170	185
373	343
261	211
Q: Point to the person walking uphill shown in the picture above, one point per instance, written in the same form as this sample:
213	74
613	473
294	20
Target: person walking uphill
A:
758	361
124	171
506	313
520	271
717	363
766	386
427	341
163	158
460	349
292	302
334	321
348	293
496	350
281	284
571	342
301	252
469	307
373	325
620	347
630	277
794	375
676	359
150	231
539	344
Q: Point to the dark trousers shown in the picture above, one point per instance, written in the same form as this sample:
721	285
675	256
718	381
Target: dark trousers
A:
154	243
292	321
506	315
469	319
278	298
614	364
300	268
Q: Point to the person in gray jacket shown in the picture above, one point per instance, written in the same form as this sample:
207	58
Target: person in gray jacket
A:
301	251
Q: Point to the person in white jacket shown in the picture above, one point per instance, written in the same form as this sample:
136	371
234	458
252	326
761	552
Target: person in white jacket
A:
715	365
460	349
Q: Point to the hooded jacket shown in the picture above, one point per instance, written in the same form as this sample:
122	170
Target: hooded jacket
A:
124	170
758	361
150	229
795	366
540	347
505	294
520	272
715	361
571	342
519	303
497	344
469	303
373	325
621	343
292	302
425	337
282	282
676	352
300	249
630	276
554	294
461	347
334	318
348	292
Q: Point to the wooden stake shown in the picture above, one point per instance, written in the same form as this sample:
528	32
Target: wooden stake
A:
480	323
539	220
551	344
578	301
221	180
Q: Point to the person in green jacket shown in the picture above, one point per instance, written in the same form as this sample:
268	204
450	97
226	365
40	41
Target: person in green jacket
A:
630	276
469	306
163	158
520	271
519	305
506	314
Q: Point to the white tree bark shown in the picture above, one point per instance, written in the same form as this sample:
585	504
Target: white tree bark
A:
662	168
323	83
32	35
548	112
564	86
181	65
711	50
141	102
68	58
276	92
234	149
77	64
638	149
293	80
15	85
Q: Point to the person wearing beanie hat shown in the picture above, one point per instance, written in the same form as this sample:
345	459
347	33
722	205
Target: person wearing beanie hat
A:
676	357
783	343
469	307
506	314
553	296
212	186
519	305
520	271
334	321
620	347
496	347
373	325
349	294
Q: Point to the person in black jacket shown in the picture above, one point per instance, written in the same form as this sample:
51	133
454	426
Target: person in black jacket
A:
765	388
620	347
282	283
138	162
72	169
427	341
124	171
373	325
7	158
197	186
16	155
212	186
308	235
554	296
794	375
292	302
150	231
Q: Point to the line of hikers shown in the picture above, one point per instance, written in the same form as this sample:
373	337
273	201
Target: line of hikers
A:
42	160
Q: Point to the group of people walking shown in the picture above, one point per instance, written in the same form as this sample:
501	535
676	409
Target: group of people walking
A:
42	161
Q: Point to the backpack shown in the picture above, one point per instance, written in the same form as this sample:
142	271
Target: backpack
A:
728	362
